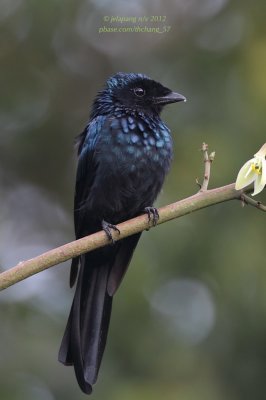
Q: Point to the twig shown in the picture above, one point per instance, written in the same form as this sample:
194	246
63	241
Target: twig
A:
58	255
198	183
248	200
208	159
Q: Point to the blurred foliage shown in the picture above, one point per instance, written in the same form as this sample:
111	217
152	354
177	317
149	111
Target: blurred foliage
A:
190	319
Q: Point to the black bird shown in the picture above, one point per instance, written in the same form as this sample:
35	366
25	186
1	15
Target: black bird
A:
124	154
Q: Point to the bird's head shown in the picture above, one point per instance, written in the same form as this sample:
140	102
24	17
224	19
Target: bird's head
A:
134	92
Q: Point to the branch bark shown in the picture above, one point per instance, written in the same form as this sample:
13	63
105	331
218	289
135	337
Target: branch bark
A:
60	254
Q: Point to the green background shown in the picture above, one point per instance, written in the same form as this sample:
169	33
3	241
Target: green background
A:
189	321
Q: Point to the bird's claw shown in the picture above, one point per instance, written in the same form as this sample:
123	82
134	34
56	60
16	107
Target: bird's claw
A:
153	215
107	227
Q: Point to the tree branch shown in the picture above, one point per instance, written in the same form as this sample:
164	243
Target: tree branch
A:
204	198
60	254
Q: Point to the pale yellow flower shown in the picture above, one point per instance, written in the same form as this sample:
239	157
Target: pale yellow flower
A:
253	170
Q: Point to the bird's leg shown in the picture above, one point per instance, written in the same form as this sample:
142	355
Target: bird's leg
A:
153	215
107	227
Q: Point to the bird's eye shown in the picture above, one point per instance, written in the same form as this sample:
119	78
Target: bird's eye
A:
139	92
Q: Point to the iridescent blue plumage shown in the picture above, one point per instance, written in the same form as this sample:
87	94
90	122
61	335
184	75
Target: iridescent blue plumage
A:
124	154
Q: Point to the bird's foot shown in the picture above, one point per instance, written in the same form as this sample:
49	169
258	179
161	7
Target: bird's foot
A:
153	215
107	227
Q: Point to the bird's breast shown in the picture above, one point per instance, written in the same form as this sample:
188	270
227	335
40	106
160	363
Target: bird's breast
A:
134	157
135	141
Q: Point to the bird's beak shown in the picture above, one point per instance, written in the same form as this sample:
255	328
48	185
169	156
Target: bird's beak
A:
171	97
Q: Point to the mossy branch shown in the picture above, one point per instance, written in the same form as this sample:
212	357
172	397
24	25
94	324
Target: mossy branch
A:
204	198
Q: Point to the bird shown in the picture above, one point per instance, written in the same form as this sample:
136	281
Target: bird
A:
124	154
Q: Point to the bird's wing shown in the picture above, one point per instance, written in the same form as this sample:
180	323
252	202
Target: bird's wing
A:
86	172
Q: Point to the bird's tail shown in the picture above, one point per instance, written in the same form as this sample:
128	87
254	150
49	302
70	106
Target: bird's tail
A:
86	332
